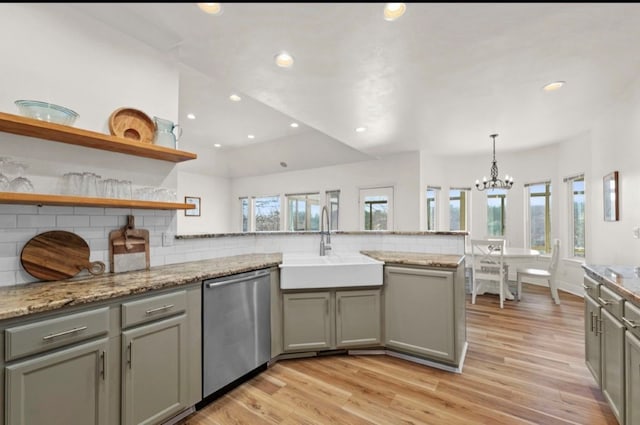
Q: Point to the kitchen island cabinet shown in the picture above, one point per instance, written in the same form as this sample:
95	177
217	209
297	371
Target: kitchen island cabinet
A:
307	321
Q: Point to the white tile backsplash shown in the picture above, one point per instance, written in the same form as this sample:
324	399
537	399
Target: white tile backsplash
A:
20	223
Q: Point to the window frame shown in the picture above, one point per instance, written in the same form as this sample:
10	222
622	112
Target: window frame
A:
308	216
464	208
364	192
571	225
333	222
249	214
502	195
254	217
547	214
431	213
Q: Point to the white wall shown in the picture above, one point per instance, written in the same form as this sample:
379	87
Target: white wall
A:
615	147
214	205
402	171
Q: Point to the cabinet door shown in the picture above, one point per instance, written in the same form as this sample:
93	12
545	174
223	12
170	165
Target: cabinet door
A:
592	337
154	382
63	388
419	312
307	324
358	318
632	379
613	363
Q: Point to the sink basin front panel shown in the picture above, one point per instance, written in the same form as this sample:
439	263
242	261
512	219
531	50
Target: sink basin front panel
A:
334	271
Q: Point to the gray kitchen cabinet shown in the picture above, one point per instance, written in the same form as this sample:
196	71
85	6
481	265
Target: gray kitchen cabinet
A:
632	379
154	382
65	387
613	363
424	312
358	320
307	321
592	344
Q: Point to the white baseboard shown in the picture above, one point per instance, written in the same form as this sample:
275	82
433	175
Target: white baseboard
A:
418	360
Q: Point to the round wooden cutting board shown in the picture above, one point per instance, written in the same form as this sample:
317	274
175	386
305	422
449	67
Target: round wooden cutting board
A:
132	124
57	255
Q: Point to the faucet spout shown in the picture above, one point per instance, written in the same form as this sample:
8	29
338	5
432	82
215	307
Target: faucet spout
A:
325	245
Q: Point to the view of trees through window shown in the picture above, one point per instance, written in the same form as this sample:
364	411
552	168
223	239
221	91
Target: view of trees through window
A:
333	204
457	209
303	212
375	212
267	213
578	203
496	208
244	206
540	216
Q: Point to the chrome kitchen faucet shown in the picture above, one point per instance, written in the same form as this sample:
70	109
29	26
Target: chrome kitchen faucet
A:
325	246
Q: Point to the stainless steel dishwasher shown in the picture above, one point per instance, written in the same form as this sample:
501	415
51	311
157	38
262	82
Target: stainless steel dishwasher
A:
236	328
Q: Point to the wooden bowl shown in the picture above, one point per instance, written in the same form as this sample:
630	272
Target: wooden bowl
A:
132	124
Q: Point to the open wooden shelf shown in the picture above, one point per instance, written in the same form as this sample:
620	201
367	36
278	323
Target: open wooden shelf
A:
79	201
24	126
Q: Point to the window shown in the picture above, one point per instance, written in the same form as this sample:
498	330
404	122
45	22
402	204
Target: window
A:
303	212
333	204
539	216
432	207
244	207
267	213
376	205
576	190
496	208
458	208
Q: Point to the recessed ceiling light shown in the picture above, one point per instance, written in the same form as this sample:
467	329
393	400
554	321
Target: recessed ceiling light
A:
393	11
211	8
284	60
191	116
216	145
294	124
235	98
361	129
251	136
553	86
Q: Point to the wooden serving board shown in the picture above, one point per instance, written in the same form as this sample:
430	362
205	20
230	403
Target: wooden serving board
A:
57	255
132	124
128	248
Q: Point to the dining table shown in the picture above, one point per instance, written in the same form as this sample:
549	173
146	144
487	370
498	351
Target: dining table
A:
514	257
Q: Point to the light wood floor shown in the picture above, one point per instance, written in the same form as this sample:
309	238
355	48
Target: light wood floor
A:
525	365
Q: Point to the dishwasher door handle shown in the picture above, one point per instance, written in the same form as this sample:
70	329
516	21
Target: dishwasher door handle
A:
240	279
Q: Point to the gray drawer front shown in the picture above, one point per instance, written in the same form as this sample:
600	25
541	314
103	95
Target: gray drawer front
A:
632	318
57	332
591	287
611	302
153	307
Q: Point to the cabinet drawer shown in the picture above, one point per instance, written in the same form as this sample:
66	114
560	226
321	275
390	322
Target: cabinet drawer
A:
611	302
591	287
632	318
47	334
152	308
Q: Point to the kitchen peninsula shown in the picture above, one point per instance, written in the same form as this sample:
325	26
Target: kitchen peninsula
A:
33	317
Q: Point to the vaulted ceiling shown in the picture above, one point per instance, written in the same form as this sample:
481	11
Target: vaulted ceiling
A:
442	77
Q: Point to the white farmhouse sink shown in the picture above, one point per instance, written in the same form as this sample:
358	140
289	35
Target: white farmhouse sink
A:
305	271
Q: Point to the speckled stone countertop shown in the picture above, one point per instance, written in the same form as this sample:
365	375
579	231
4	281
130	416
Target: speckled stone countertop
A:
21	300
448	261
337	232
624	280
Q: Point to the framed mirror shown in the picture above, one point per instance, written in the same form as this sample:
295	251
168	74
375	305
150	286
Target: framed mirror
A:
610	193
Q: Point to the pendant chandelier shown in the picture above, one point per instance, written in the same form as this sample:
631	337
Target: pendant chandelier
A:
494	182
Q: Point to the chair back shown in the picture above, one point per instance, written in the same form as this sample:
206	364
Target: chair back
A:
555	257
487	257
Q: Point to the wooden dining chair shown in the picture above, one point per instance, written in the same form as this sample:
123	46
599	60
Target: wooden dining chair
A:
549	274
487	259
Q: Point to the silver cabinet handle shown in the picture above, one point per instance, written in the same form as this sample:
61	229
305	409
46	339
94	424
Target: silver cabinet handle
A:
586	288
599	327
103	371
63	333
155	310
130	350
603	301
629	323
592	317
237	280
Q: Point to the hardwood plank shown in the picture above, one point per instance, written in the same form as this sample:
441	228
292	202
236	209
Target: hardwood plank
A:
525	365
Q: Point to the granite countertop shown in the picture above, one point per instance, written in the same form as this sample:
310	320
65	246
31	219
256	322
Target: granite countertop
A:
624	280
333	232
21	300
449	261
